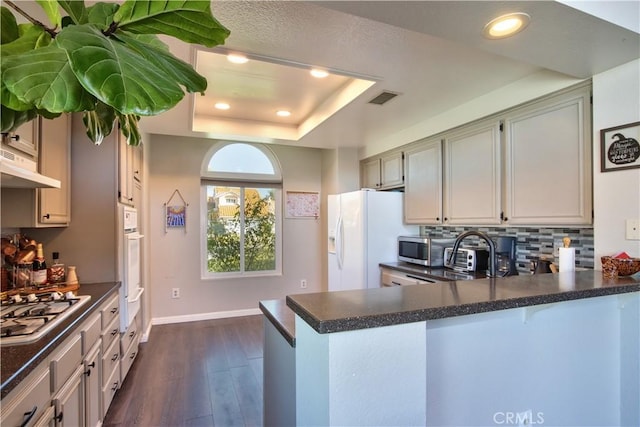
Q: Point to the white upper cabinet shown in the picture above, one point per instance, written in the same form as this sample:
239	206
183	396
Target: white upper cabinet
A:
129	170
384	172
423	183
44	207
548	178
473	175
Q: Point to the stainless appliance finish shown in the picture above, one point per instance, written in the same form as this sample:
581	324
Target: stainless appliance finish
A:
467	259
422	250
27	321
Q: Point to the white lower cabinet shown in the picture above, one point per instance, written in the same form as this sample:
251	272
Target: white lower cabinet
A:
69	401
74	385
30	401
93	386
129	347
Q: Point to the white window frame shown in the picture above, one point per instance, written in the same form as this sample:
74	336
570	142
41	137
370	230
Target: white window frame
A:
246	180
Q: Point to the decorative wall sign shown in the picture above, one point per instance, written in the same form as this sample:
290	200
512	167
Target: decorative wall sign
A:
175	214
302	204
620	147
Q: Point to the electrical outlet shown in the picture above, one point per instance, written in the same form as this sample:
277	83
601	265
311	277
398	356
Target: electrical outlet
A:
175	293
633	229
303	283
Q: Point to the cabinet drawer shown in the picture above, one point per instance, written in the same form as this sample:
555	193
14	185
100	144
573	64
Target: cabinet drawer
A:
30	403
110	361
65	361
110	311
110	334
91	332
109	390
47	419
130	335
129	357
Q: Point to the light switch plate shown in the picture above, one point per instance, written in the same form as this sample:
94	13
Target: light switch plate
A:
633	229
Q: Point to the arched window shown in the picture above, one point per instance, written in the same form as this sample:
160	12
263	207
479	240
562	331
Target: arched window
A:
242	191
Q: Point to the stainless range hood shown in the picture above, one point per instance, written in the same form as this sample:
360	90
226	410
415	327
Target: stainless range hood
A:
18	172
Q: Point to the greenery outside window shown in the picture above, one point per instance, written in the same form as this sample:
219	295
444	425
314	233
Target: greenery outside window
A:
242	192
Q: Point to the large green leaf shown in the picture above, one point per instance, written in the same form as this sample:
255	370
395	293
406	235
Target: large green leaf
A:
190	20
76	10
116	74
43	77
99	122
11	119
10	100
31	37
101	14
180	71
129	128
52	10
8	26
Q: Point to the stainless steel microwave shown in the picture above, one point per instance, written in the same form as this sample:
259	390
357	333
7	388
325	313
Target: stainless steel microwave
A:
422	250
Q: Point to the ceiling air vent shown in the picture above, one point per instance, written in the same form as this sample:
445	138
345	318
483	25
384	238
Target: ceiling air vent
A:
384	97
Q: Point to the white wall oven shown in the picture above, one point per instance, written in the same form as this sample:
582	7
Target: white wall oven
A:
131	288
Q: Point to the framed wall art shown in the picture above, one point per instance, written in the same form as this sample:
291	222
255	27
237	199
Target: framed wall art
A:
620	148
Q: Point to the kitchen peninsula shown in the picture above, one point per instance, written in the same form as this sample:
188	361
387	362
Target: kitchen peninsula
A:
559	349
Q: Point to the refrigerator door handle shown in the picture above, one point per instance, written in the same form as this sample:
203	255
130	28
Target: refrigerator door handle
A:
339	236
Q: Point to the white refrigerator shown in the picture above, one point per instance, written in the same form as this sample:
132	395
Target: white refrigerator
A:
363	229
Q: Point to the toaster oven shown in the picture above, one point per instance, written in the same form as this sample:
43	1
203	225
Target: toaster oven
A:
467	259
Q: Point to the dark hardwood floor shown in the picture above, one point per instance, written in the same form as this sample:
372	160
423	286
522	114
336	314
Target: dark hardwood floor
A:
206	373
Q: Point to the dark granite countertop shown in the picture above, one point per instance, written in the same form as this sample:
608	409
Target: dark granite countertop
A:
18	360
281	317
436	273
328	312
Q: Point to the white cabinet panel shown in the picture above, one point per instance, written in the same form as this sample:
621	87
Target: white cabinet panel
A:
548	163
473	175
423	183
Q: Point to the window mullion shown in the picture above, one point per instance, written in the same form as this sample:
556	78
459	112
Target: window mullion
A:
242	228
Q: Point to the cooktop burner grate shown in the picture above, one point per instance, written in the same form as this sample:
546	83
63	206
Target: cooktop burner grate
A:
25	322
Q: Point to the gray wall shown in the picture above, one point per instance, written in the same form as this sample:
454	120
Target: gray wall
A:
174	256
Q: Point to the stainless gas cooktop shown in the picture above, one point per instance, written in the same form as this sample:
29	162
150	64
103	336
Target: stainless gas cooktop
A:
26	321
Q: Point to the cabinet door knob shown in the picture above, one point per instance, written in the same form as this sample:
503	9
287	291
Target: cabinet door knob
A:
58	417
115	357
115	387
114	332
47	216
132	334
133	355
113	310
15	137
446	219
28	415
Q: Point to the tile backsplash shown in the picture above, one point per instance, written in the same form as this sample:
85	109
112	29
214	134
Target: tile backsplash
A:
531	242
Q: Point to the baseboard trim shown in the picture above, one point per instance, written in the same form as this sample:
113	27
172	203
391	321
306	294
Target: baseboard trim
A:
203	316
145	335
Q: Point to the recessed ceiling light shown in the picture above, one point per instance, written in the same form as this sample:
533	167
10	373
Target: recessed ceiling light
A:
318	73
506	25
236	58
222	106
283	113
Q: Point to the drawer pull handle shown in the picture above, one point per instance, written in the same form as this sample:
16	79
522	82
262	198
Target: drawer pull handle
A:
115	357
133	355
115	386
28	415
114	332
89	366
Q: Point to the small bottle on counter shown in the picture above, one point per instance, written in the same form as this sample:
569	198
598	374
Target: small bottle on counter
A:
55	273
39	272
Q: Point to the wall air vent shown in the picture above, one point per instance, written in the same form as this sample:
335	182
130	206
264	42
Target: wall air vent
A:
384	97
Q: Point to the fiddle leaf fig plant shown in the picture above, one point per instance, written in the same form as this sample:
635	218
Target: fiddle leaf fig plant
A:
105	60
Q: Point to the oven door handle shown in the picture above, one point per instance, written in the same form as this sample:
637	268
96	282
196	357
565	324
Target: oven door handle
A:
140	291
